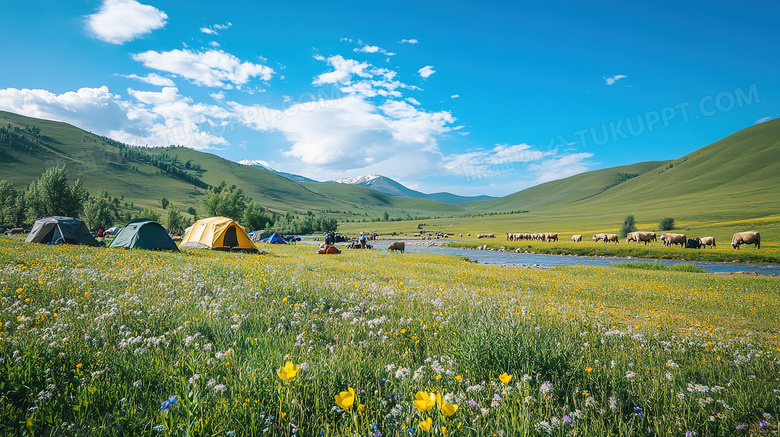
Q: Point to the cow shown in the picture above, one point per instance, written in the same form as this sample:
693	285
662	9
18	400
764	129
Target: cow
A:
397	245
645	237
550	236
750	237
576	238
611	238
598	237
674	239
693	243
708	241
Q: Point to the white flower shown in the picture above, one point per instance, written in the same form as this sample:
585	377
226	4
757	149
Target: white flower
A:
630	374
546	387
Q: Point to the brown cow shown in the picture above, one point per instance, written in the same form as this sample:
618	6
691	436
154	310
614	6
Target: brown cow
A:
750	237
707	241
674	239
645	237
598	237
397	245
611	238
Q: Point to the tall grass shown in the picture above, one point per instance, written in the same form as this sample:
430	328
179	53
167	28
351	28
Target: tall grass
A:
94	341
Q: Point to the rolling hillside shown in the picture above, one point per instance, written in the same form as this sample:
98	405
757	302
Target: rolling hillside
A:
32	145
393	188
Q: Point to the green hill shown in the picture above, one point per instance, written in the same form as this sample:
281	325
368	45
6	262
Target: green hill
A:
142	176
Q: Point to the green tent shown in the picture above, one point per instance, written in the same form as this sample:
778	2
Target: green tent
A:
144	234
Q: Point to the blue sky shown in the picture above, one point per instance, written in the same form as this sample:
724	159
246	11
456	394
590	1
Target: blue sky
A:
466	97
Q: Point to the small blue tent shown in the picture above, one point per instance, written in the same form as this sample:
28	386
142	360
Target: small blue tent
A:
274	239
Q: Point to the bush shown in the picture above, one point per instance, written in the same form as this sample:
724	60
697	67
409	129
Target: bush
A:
629	225
666	224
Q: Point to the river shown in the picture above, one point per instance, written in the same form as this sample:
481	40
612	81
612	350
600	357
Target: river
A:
541	260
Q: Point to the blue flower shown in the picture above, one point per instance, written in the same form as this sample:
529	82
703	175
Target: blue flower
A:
763	424
172	400
638	411
411	431
741	426
165	405
383	381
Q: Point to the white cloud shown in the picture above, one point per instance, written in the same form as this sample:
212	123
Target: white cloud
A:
214	44
166	117
149	118
120	21
615	78
426	71
353	133
455	96
408	41
93	109
360	78
560	167
763	120
153	79
373	49
413	101
214	30
213	68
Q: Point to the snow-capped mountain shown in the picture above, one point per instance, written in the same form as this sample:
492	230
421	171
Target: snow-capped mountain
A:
358	180
388	186
264	165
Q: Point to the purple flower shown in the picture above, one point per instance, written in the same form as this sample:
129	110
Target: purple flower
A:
690	434
763	424
567	419
378	434
471	403
741	426
638	411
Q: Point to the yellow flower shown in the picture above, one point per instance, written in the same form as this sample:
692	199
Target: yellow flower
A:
424	402
346	399
446	408
78	366
361	408
288	371
458	378
425	425
589	369
505	378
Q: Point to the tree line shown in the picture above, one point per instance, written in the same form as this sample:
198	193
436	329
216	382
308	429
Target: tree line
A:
51	194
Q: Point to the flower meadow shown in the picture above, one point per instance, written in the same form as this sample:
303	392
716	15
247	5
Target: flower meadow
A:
97	341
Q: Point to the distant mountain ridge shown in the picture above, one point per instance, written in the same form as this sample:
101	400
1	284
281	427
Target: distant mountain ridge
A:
389	186
264	166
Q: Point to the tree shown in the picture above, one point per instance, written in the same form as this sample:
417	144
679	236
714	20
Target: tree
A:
628	226
191	211
164	202
98	214
254	217
7	199
50	194
385	217
666	224
227	202
176	222
16	213
151	215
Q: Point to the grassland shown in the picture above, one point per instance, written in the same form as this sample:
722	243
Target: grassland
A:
112	342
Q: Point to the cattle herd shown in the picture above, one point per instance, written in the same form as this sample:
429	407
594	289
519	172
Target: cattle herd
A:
668	239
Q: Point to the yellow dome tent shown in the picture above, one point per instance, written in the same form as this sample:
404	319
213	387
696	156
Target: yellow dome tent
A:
217	233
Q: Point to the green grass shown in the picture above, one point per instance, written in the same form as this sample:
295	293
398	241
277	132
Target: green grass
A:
94	340
769	253
690	268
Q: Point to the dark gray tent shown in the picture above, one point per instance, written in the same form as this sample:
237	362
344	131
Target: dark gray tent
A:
144	234
58	229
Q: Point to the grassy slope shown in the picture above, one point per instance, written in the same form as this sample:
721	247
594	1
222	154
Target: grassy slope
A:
100	166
